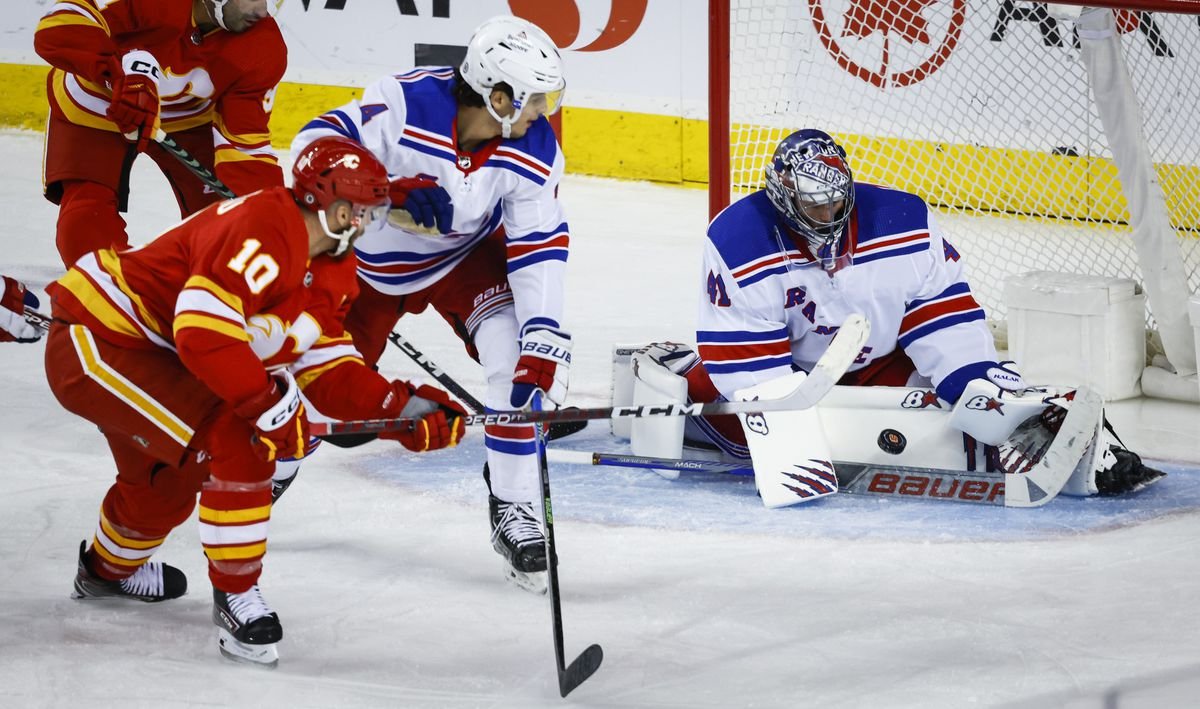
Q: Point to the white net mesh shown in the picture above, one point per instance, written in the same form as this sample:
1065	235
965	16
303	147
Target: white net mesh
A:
981	108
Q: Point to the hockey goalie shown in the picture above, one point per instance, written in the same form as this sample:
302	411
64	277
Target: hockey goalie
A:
782	269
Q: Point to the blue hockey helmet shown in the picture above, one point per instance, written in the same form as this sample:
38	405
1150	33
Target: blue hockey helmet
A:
810	184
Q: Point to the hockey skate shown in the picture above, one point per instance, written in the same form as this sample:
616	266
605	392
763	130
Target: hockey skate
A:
152	582
278	487
247	629
517	536
1122	472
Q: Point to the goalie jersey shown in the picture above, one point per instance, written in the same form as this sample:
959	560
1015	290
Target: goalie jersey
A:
769	308
508	186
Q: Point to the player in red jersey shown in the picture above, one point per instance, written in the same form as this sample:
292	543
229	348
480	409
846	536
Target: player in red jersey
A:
204	71
190	354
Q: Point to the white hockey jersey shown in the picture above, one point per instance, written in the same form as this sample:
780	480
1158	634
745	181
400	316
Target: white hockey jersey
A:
766	311
409	122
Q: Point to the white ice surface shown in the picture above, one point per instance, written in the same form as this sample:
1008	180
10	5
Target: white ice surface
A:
390	594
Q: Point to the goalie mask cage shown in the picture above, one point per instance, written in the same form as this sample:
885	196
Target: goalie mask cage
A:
1055	138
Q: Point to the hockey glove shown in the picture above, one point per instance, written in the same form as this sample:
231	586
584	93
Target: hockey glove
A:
440	423
279	416
1001	374
135	107
545	364
14	298
426	201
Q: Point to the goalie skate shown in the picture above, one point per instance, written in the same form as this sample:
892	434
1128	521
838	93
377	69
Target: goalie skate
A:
1122	473
247	629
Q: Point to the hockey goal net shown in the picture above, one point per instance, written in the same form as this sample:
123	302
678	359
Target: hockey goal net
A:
992	111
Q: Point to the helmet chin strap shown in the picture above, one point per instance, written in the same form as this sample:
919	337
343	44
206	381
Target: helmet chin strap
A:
218	12
506	123
343	237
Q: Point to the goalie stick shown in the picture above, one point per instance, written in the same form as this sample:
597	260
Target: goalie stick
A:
554	432
582	667
1035	479
840	354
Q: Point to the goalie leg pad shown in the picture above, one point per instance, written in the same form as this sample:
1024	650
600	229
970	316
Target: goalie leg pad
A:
657	437
990	415
789	450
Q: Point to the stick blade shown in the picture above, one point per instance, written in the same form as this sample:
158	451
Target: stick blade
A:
583	667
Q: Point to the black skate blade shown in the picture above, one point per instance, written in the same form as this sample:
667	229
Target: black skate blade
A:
562	429
583	667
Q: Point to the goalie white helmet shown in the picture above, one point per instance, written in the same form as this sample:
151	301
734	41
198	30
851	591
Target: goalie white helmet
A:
515	52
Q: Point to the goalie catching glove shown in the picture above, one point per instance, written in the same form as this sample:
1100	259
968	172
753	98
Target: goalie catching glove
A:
135	106
14	298
544	364
427	202
279	416
440	423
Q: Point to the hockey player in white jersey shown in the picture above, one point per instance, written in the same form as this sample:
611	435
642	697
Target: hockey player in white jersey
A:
477	232
786	265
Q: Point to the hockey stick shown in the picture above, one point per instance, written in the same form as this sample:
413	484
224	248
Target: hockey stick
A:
192	164
555	431
854	478
829	369
36	319
582	667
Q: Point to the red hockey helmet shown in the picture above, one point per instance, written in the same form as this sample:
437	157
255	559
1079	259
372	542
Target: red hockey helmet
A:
334	168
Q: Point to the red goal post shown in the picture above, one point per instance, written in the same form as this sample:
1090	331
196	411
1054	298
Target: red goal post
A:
1041	144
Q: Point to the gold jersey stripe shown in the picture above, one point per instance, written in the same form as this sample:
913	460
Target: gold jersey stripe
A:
252	514
245	551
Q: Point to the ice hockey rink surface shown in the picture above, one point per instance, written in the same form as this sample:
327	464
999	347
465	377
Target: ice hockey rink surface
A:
382	572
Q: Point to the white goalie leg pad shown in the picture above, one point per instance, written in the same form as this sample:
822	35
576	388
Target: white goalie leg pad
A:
789	450
657	437
1082	482
622	387
990	415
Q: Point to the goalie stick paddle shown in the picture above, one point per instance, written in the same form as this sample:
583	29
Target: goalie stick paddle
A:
584	666
829	369
554	432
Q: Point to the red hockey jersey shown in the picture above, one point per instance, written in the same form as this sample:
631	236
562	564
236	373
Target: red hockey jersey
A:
232	291
218	77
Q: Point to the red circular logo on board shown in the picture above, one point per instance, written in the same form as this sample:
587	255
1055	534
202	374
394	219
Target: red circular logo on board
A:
872	31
